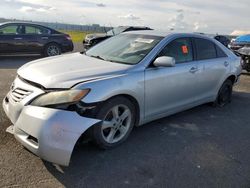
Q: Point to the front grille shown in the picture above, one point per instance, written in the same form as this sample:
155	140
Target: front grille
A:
19	94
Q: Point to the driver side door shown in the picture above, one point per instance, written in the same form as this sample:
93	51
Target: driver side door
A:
171	89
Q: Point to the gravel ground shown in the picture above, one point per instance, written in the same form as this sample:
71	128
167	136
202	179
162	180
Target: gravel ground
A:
201	147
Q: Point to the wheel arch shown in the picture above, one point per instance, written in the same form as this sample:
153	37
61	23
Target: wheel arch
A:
129	97
135	103
88	133
231	78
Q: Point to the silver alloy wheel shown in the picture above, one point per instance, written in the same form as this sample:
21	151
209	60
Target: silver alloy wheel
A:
116	124
53	50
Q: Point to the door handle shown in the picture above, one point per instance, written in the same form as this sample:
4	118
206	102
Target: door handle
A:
19	38
226	63
193	70
45	38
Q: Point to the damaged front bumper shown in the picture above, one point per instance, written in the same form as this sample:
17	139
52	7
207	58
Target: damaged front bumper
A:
49	133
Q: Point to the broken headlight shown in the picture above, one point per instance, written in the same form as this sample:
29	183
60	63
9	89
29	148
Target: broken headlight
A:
60	97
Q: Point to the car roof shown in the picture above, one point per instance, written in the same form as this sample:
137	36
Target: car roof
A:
137	27
167	33
26	23
243	38
19	23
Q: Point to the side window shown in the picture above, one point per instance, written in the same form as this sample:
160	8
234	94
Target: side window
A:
220	52
205	49
12	30
35	30
180	49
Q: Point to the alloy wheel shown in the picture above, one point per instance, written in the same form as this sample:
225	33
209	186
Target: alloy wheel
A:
116	124
53	50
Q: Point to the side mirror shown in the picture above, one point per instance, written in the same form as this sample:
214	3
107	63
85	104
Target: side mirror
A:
164	61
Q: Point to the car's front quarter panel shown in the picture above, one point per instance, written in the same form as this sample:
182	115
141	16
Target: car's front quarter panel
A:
131	84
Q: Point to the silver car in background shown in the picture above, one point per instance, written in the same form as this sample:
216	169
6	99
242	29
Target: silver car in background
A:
125	81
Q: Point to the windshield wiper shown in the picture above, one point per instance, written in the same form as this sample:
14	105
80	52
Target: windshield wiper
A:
98	57
121	62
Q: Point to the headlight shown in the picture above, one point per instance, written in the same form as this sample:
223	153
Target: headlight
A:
60	97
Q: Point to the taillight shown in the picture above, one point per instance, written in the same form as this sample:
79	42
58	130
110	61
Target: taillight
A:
68	37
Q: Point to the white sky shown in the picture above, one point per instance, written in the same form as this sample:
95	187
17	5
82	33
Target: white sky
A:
214	16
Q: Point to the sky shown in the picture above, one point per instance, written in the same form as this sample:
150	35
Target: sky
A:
214	16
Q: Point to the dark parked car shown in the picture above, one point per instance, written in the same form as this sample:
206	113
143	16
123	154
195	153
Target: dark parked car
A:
223	40
29	38
95	38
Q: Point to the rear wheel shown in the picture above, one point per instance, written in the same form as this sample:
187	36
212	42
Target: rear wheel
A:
118	115
225	94
52	49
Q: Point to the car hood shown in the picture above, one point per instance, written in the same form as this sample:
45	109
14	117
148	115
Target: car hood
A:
96	35
67	70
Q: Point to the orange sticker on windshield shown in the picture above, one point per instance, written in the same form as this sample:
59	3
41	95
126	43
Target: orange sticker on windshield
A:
185	49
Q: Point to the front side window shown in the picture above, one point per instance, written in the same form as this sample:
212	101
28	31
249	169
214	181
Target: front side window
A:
205	49
12	30
180	49
124	48
35	30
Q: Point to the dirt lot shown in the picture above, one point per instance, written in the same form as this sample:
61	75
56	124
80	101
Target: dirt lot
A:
201	147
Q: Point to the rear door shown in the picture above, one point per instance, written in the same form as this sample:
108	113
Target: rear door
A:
11	38
35	38
213	64
171	89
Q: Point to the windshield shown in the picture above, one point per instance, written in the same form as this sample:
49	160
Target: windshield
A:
124	48
116	31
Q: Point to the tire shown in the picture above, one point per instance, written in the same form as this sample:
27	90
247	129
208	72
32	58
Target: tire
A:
118	115
52	49
225	94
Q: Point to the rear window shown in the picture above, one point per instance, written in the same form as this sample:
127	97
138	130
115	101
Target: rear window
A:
205	49
220	52
36	30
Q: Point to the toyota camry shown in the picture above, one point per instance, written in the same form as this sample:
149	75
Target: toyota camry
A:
125	81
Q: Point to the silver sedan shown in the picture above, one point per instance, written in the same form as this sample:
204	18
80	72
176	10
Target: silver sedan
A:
125	81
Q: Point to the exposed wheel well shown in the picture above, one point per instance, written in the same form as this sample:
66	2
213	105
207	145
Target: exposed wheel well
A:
88	133
232	78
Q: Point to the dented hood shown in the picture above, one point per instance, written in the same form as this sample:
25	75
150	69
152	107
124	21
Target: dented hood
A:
67	70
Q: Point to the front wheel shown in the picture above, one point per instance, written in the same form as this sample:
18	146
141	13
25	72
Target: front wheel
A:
225	94
118	115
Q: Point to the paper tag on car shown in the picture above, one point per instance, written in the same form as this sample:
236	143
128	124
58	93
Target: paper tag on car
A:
148	41
185	49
